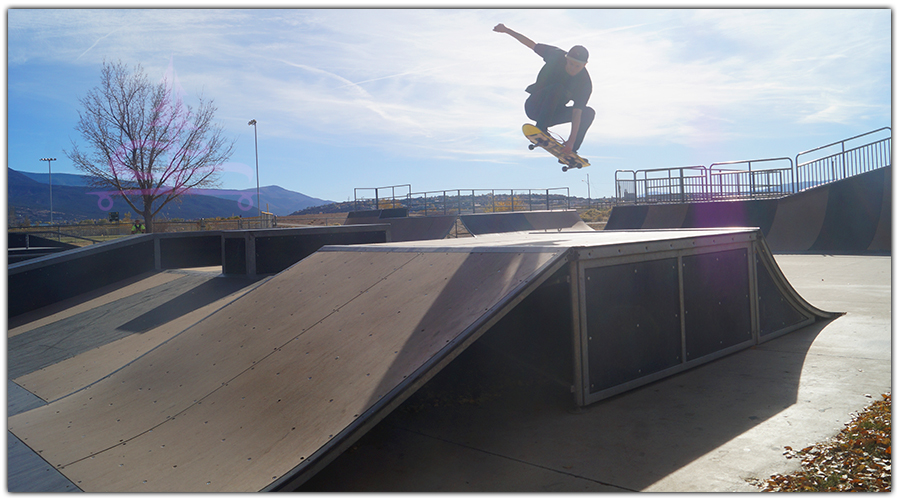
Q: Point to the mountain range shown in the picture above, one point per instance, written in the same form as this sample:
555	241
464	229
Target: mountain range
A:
28	195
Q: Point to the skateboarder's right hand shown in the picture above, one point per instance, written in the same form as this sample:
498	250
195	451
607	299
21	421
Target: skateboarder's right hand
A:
501	28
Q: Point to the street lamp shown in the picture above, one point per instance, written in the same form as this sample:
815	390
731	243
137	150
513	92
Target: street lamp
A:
50	178
588	182
256	148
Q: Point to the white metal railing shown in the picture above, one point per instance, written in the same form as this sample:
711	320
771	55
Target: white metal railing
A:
744	179
464	201
662	185
850	160
760	183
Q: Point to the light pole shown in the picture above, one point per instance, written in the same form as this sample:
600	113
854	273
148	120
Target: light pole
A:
50	178
589	190
256	148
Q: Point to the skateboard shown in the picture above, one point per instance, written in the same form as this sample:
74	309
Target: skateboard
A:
553	146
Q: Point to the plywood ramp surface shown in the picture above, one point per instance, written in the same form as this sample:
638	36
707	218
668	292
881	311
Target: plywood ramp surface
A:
77	372
240	399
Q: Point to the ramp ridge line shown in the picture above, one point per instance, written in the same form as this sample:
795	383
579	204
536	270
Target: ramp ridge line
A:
402	247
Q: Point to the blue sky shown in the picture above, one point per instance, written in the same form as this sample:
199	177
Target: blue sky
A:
359	98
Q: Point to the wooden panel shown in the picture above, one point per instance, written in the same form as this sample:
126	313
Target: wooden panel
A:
246	395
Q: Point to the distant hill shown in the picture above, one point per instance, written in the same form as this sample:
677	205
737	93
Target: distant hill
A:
59	179
327	208
28	195
280	201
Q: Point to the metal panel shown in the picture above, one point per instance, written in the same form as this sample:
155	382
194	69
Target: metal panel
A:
714	277
633	321
234	255
777	311
717	307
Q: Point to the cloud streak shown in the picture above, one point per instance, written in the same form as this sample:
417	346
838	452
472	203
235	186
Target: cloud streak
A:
417	83
98	41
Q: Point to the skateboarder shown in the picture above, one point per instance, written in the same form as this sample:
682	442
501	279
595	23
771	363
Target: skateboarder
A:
562	79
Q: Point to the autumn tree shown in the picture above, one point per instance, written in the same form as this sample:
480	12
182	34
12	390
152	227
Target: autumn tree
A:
147	146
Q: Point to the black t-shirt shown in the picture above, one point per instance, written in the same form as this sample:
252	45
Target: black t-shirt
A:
554	80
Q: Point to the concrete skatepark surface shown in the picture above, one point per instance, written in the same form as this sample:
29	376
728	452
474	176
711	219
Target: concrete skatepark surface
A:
691	432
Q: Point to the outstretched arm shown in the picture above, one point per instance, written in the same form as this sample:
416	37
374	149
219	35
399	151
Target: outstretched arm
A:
500	28
576	125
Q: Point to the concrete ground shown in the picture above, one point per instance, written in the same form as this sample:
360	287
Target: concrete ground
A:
716	428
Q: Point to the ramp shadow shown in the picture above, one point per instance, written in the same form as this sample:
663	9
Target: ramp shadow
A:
501	418
201	295
49	344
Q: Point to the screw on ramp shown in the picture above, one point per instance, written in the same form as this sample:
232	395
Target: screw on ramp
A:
269	389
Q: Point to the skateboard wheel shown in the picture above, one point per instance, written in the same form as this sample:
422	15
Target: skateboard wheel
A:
565	169
532	146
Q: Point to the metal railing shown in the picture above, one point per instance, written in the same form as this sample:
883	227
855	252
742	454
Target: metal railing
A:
840	160
729	184
661	185
837	165
467	201
376	202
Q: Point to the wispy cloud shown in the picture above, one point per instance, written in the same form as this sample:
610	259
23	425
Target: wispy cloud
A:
98	41
442	83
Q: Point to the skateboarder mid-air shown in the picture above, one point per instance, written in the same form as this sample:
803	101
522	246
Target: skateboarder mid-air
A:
562	79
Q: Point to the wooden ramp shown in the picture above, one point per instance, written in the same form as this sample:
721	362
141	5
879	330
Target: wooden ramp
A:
268	389
284	376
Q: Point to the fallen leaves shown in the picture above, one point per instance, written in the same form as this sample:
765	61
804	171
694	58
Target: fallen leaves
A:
858	459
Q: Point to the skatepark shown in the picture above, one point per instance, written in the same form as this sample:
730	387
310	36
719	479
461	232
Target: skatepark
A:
680	349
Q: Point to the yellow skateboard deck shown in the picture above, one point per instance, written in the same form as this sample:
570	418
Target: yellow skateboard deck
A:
544	140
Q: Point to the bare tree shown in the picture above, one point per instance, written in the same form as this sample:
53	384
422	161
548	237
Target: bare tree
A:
148	146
